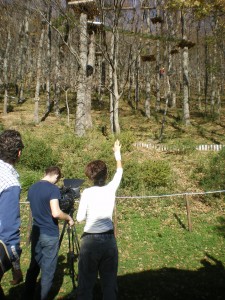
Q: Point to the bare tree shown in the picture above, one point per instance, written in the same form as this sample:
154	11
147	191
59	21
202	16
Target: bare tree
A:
23	46
185	62
38	74
5	72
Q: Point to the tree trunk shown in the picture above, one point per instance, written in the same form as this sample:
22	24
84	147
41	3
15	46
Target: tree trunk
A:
171	69
206	69
80	122
49	60
198	76
137	70
186	112
214	85
164	115
57	86
114	95
185	63
90	73
148	90
218	104
157	107
5	73
22	56
131	78
38	77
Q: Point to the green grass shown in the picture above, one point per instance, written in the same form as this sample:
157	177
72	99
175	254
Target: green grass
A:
155	247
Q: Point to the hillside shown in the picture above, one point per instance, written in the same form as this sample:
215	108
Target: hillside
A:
159	258
134	128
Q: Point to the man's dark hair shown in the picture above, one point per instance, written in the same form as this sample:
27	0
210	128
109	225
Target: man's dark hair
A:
10	145
97	172
53	170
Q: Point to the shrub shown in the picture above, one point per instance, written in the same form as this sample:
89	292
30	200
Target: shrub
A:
186	146
214	172
127	140
37	154
28	177
147	176
72	143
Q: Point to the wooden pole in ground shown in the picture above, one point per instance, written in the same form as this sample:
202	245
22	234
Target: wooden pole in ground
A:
188	213
29	228
115	220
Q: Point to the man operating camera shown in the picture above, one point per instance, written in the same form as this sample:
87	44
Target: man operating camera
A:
44	198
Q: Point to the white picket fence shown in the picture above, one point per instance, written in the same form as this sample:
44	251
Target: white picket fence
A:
159	147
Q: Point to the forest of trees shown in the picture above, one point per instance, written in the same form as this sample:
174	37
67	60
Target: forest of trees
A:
154	50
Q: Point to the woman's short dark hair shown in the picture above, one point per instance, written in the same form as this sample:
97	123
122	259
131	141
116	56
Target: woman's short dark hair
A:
10	145
54	170
97	172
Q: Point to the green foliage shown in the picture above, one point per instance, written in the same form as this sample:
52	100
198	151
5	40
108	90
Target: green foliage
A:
74	155
1	127
72	143
185	146
146	176
153	247
37	154
127	140
214	172
28	177
106	147
71	168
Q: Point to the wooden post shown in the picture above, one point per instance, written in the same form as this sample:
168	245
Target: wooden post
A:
115	220
188	213
29	228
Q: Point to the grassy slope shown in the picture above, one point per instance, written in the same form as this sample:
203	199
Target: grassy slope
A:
159	257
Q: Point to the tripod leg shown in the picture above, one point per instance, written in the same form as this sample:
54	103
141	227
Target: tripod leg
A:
62	233
71	257
76	241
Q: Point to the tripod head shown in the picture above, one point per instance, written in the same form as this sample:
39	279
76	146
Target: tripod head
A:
69	192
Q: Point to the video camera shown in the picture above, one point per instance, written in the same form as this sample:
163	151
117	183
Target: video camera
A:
69	192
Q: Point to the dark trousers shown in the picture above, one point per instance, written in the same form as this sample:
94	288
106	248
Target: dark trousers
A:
44	255
98	254
14	252
2	296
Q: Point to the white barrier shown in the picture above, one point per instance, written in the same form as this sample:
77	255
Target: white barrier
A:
213	147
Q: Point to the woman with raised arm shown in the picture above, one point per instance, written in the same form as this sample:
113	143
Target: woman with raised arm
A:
98	252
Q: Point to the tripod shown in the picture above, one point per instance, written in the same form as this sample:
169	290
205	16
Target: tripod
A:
73	249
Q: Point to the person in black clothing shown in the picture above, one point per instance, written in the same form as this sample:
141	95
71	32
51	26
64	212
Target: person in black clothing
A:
43	197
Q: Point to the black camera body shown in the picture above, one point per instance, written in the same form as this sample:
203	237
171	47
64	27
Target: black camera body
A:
69	192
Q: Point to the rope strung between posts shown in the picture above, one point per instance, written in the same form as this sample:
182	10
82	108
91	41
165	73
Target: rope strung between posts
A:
161	196
171	195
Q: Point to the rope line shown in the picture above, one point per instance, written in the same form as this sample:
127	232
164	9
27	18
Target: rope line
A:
160	196
171	195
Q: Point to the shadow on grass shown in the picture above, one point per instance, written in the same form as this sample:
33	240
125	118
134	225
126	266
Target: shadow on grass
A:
206	283
221	227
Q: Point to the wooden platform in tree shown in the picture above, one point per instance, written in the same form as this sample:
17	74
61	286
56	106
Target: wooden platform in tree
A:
95	26
88	7
174	51
186	43
157	19
129	5
148	57
77	2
